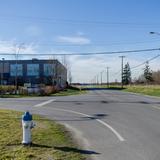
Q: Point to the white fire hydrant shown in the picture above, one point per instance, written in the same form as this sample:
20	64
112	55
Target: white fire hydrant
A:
27	125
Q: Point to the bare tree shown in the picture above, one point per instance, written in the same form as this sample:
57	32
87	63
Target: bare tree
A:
156	77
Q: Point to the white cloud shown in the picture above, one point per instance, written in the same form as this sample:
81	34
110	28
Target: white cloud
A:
77	39
83	68
12	47
6	46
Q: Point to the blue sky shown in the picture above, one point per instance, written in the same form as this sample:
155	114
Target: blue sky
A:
71	26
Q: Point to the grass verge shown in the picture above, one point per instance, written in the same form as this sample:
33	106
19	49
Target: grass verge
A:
50	140
151	90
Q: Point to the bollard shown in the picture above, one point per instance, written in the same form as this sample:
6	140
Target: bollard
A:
27	125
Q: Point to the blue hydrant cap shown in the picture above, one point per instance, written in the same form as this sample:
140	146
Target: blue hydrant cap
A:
27	116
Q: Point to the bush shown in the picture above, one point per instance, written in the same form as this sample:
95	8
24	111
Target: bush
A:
73	88
40	91
7	89
47	90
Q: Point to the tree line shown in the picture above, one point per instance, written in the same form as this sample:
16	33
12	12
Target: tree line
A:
147	77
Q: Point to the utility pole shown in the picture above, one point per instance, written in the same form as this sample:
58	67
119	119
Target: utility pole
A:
108	77
122	57
101	77
97	80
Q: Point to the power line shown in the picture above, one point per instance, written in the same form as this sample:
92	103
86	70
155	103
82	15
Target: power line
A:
117	72
89	53
151	59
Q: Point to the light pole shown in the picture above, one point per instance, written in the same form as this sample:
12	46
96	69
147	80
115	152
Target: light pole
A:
155	33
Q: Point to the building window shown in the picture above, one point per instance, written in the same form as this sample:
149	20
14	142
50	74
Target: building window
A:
48	69
16	69
33	69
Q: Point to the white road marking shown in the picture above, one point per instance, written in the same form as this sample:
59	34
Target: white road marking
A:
98	120
44	103
86	115
156	107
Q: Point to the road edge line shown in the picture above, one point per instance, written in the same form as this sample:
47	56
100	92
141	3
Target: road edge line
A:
98	120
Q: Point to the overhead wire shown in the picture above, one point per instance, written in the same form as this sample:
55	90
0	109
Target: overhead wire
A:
151	59
91	53
141	64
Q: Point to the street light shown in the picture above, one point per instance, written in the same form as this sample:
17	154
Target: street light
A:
155	33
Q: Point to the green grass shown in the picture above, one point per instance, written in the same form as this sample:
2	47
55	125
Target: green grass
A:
50	140
69	92
18	96
13	96
152	90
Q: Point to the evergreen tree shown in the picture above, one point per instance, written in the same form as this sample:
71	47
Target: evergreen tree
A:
126	74
148	73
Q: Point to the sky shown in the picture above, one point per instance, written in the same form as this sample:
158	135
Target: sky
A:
82	26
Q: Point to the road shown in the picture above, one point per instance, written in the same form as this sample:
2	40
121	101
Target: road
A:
110	125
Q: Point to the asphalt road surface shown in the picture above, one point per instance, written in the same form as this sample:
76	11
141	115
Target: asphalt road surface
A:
110	125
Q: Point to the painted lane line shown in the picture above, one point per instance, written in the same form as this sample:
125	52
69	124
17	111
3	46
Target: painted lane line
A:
112	129
44	103
98	120
156	107
86	115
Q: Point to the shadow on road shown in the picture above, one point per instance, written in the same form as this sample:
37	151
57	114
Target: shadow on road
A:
87	118
108	101
99	89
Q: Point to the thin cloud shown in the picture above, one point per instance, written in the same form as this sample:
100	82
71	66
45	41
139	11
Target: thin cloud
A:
84	68
6	46
80	40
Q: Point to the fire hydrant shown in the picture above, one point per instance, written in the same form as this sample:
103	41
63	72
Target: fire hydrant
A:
27	125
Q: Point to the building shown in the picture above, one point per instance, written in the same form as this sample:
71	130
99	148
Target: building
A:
32	72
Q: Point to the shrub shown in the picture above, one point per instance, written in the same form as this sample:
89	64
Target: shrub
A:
7	89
